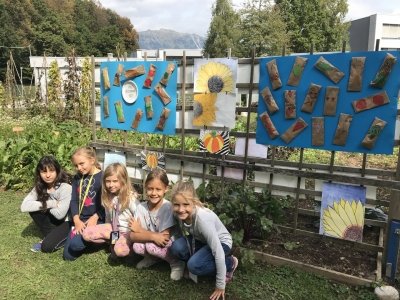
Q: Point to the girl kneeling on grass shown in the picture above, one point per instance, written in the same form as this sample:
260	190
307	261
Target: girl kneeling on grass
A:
206	243
151	230
48	204
120	202
86	209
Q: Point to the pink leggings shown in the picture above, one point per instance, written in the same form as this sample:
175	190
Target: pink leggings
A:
101	234
154	250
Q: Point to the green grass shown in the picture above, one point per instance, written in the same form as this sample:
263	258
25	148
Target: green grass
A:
27	275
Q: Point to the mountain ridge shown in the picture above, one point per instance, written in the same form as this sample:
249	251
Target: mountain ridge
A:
169	39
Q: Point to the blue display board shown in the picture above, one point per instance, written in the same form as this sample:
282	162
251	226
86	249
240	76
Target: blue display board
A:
130	106
361	121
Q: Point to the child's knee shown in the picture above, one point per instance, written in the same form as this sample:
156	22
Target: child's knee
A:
121	251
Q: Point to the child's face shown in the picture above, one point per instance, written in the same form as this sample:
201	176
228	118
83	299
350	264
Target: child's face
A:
83	164
113	185
183	209
48	175
155	191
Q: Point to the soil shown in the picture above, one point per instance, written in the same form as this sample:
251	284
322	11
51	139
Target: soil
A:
320	251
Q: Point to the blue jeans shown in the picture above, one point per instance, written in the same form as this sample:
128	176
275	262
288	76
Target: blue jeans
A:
74	247
202	262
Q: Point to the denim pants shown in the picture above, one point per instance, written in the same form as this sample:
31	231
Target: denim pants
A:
202	262
74	246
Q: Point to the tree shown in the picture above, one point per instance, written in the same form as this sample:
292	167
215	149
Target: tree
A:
223	32
318	22
54	91
262	28
85	91
71	87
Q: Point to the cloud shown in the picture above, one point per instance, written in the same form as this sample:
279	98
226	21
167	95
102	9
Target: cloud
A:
194	16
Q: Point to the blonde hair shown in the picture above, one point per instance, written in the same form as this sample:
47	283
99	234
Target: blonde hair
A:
126	191
187	191
88	152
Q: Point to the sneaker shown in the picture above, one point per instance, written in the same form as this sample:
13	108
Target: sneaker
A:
147	261
229	275
177	270
37	247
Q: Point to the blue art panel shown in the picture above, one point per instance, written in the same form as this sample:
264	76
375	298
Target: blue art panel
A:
115	95
361	121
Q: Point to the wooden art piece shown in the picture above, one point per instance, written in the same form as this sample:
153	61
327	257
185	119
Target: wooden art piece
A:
384	71
311	98
273	72
167	74
356	74
120	112
342	129
318	131
297	71
106	107
135	72
294	130
162	93
106	78
290	104
117	77
148	104
150	77
329	70
370	102
138	117
269	100
268	125
331	100
373	133
163	118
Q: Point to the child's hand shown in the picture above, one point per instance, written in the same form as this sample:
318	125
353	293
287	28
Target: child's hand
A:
92	220
79	226
217	294
134	225
161	239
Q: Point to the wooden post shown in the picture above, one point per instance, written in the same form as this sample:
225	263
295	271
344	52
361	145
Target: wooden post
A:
94	136
183	95
253	54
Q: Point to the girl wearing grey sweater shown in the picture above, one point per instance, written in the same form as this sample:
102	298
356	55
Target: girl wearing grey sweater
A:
48	204
206	243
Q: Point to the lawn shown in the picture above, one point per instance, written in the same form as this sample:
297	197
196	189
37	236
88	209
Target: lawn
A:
28	275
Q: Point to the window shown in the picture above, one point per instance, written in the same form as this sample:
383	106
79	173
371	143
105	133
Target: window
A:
391	31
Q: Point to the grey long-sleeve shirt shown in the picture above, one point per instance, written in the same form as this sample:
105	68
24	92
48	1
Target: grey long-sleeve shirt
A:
208	228
58	202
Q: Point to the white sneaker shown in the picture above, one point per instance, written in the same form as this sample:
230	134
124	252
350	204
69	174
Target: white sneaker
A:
177	269
147	261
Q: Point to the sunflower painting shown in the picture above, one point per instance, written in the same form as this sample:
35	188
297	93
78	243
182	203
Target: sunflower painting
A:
215	92
342	211
204	109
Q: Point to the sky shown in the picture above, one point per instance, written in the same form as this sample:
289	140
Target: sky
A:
194	16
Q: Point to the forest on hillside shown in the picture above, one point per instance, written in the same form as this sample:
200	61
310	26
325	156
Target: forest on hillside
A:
55	27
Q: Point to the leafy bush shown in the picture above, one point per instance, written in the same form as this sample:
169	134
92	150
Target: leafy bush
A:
20	151
246	213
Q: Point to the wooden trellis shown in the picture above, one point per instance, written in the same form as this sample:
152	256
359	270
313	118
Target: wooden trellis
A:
181	163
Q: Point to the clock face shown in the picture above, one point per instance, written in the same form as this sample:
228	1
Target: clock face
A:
129	91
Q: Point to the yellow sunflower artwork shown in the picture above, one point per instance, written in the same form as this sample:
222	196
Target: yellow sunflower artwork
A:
214	77
204	109
343	217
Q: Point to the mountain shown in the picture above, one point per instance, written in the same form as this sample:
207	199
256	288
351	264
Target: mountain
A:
169	39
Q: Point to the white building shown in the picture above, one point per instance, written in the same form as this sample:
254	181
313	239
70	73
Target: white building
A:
366	31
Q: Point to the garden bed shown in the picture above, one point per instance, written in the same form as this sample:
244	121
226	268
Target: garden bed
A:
321	252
